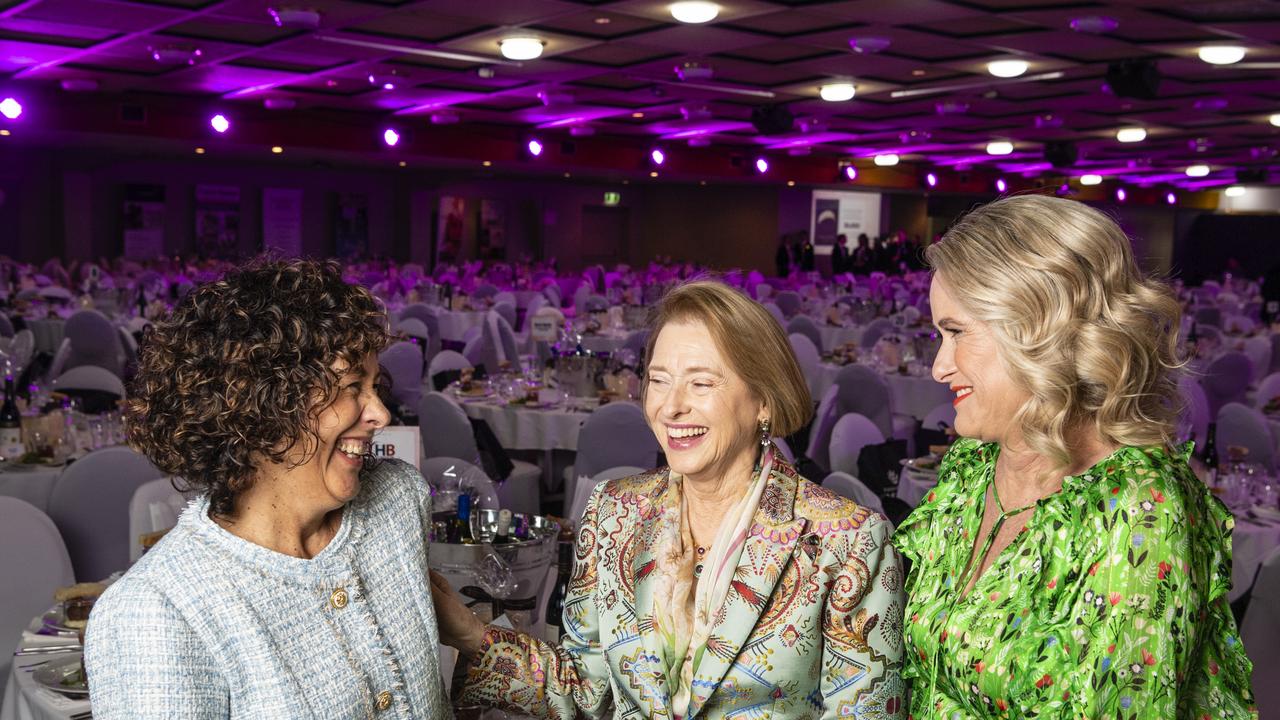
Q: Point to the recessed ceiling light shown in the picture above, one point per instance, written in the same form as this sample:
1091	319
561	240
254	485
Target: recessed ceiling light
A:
791	183
1094	24
1197	170
1275	119
887	160
79	84
1222	54
694	12
403	163
5	133
10	108
220	123
199	151
837	92
1131	134
520	48
653	173
999	147
1234	191
1007	68
277	149
637	115
918	73
603	21
869	45
486	163
1090	179
568	175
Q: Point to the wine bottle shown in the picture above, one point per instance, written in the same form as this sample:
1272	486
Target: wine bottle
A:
11	446
460	524
502	534
555	605
1210	456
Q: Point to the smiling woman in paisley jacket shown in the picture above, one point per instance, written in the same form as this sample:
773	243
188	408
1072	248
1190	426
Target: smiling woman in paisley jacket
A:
725	585
1068	564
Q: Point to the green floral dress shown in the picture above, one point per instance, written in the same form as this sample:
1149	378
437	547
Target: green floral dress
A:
1110	603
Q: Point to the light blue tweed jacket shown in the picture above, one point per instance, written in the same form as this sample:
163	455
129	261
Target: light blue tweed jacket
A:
208	625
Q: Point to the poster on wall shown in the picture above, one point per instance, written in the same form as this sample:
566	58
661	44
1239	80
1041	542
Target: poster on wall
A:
493	230
217	221
143	221
351	230
453	220
282	221
840	212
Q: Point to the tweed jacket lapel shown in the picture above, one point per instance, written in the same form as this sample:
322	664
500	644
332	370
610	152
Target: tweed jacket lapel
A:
769	545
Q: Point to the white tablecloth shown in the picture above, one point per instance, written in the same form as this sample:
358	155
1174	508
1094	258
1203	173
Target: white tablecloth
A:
913	395
914	485
33	484
833	337
24	699
519	428
604	342
455	323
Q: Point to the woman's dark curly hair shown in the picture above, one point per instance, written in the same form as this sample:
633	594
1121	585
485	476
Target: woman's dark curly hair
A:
236	374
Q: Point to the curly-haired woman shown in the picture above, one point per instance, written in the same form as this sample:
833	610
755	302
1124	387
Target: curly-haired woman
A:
296	586
1069	564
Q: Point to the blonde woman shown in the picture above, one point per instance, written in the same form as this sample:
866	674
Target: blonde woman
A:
725	585
1069	564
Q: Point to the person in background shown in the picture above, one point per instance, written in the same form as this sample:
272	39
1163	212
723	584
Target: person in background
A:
723	586
840	255
1068	564
861	258
782	258
806	251
296	585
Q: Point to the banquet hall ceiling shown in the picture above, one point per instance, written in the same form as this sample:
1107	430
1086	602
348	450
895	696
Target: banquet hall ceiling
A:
609	65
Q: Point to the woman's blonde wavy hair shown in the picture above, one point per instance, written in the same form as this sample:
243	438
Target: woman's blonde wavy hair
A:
1079	326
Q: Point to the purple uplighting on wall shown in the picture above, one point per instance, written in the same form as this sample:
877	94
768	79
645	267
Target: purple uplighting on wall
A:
762	165
931	180
850	172
1001	185
10	108
390	137
220	123
1121	194
535	147
657	156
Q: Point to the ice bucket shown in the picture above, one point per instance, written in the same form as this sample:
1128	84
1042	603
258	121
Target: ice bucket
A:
507	576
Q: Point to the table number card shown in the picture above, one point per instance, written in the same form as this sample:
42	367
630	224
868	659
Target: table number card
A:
401	442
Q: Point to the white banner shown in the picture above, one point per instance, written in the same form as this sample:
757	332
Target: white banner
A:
282	220
841	212
399	441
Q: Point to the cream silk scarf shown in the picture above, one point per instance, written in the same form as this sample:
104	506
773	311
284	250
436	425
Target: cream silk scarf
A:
684	606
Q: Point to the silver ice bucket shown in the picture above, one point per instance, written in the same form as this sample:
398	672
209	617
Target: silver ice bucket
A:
507	577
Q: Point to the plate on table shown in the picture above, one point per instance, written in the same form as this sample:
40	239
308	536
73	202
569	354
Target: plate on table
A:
55	618
1266	513
927	464
475	392
63	675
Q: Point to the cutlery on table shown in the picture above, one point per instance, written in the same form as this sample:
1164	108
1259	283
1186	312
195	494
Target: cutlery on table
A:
47	649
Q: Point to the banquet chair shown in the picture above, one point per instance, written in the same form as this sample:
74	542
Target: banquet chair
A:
34	563
403	362
636	342
507	310
90	506
807	327
536	303
580	296
155	505
97	388
496	344
863	390
1258	350
89	339
876	330
789	302
594	304
484	291
1208	316
824	420
1260	633
776	312
552	293
806	352
582	492
852	432
612	436
1246	427
21	348
415	329
443	361
846	485
942	413
453	473
1226	380
428	316
446	432
506	296
764	291
6	327
1193	421
130	346
1268	390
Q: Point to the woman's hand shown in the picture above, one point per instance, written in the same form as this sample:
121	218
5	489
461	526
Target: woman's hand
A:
459	627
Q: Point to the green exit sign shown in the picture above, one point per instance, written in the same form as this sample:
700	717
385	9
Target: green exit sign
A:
612	198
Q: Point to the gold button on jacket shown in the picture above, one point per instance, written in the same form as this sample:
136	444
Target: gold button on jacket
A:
338	599
384	700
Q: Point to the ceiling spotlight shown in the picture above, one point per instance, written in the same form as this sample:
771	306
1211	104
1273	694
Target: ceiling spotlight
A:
657	156
694	12
444	117
850	172
1275	119
520	48
199	151
699	141
1001	185
534	146
1171	198
1007	68
869	45
390	137
10	108
887	160
173	54
582	131
385	79
220	123
295	17
79	84
999	147
694	70
1121	194
1131	134
1090	179
1197	170
276	149
279	103
1222	54
837	92
931	180
762	165
1234	191
1095	24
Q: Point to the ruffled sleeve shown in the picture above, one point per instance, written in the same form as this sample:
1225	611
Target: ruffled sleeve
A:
917	532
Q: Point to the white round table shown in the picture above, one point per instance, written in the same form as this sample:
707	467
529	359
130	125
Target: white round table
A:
835	336
1251	542
606	342
914	485
913	395
521	428
455	323
24	698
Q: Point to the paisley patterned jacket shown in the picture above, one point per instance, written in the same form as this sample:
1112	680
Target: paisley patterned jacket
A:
812	627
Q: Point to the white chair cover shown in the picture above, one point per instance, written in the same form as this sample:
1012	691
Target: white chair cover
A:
1268	390
91	339
428	316
34	563
90	377
865	391
6	327
944	413
1246	427
776	312
507	309
1260	633
1194	419
824	421
1226	380
809	359
876	330
414	328
582	492
447	360
90	506
803	325
447	473
843	483
403	362
445	429
789	302
536	303
785	449
615	435
155	505
852	432
1258	350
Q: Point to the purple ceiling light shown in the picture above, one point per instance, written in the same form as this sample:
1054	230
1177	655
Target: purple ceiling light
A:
762	165
850	172
1001	185
657	156
1171	198
1095	24
535	147
10	108
220	123
390	137
931	180
1121	195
